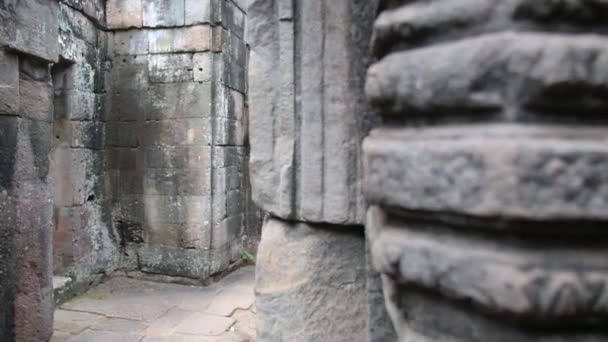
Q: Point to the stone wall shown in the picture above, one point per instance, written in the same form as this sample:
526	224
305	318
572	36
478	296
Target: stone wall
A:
307	69
85	246
124	146
28	45
176	134
488	176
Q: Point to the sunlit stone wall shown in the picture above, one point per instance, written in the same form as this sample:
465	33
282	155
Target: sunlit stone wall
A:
176	134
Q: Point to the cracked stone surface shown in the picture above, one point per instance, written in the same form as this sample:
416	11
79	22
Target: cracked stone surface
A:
127	309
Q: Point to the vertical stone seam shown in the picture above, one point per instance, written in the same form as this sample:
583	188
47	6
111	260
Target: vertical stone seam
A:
322	104
212	121
297	153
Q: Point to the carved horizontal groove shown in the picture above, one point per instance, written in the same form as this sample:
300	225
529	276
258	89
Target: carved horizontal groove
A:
452	321
513	174
420	23
522	281
515	75
578	230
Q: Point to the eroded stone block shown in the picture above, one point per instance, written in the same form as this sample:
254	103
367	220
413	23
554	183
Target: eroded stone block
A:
184	39
131	42
164	13
317	274
198	12
179	100
170	68
124	13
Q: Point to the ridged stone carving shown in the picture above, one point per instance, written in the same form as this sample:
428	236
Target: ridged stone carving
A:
488	178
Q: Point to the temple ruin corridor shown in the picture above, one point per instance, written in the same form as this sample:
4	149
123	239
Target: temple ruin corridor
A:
304	170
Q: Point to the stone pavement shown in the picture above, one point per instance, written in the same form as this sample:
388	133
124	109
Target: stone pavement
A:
126	309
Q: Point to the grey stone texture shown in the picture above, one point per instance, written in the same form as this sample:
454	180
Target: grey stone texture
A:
307	69
486	178
181	199
119	148
84	243
308	118
26	113
306	81
310	283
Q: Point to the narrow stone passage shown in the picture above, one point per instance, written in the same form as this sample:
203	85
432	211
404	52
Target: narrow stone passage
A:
127	309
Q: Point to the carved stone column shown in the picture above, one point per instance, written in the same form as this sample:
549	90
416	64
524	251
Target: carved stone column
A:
489	175
308	118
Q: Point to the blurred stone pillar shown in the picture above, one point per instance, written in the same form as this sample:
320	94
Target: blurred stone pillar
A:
488	177
308	118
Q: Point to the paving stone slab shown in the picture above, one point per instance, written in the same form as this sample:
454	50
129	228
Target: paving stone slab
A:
73	322
105	336
227	302
164	325
205	324
119	325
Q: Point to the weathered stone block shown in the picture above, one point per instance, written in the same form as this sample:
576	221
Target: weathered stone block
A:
179	235
234	203
76	25
36	99
94	9
173	261
174	181
76	105
318	276
128	211
229	132
77	232
489	171
202	65
31	27
321	121
170	68
33	301
198	12
83	134
125	182
9	83
131	42
163	13
130	105
130	73
74	175
122	134
124	13
232	17
185	39
179	100
227	232
121	158
508	75
79	76
177	132
175	209
226	156
195	157
34	140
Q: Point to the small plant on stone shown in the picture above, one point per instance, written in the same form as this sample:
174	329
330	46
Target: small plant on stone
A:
248	258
